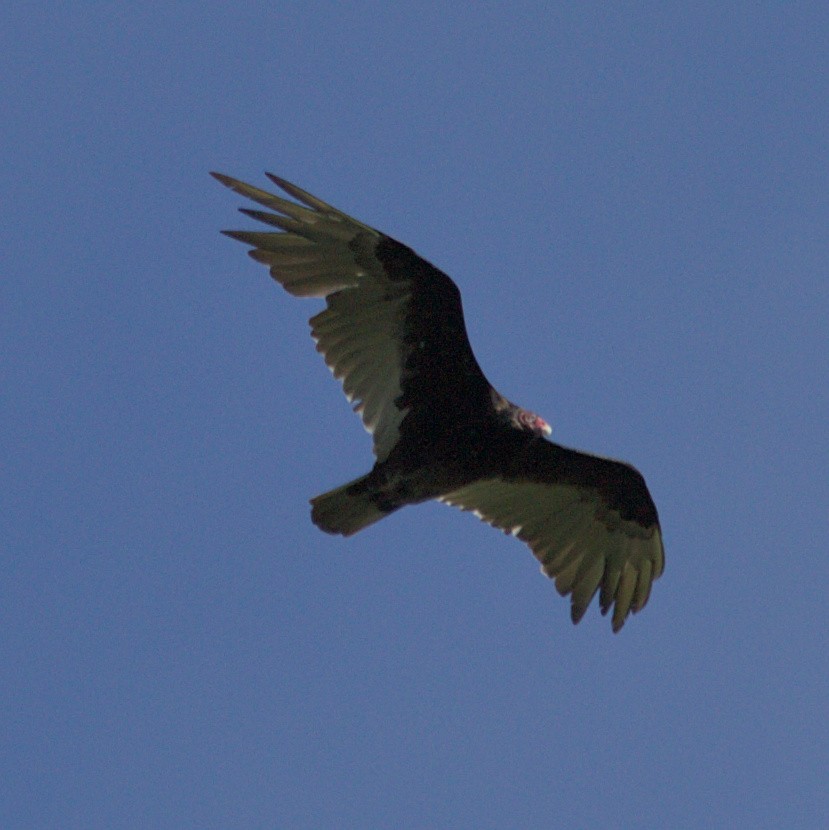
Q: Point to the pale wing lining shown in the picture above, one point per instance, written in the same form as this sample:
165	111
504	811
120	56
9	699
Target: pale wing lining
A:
580	544
360	332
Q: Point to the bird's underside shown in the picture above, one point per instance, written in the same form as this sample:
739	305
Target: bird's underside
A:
393	333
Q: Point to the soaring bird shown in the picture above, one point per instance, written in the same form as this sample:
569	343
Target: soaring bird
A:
393	333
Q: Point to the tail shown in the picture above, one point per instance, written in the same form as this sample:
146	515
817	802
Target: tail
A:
347	509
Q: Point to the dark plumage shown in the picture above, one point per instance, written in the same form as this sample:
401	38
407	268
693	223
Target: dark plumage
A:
393	333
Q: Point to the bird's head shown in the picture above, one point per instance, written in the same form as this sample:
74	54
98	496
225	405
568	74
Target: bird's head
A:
524	419
517	417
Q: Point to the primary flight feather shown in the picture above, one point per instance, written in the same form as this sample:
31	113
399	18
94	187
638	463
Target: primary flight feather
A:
393	333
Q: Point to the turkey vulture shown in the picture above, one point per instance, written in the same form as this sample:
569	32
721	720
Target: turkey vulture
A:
393	333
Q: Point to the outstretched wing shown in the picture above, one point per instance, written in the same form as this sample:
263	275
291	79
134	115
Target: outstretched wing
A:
392	332
590	521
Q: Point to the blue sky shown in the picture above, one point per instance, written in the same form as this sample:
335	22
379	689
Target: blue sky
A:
634	201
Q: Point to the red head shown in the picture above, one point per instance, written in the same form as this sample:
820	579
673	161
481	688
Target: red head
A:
524	419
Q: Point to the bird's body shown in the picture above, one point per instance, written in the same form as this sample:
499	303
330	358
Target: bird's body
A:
393	332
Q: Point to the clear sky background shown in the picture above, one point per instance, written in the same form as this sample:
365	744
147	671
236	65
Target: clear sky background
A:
634	201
